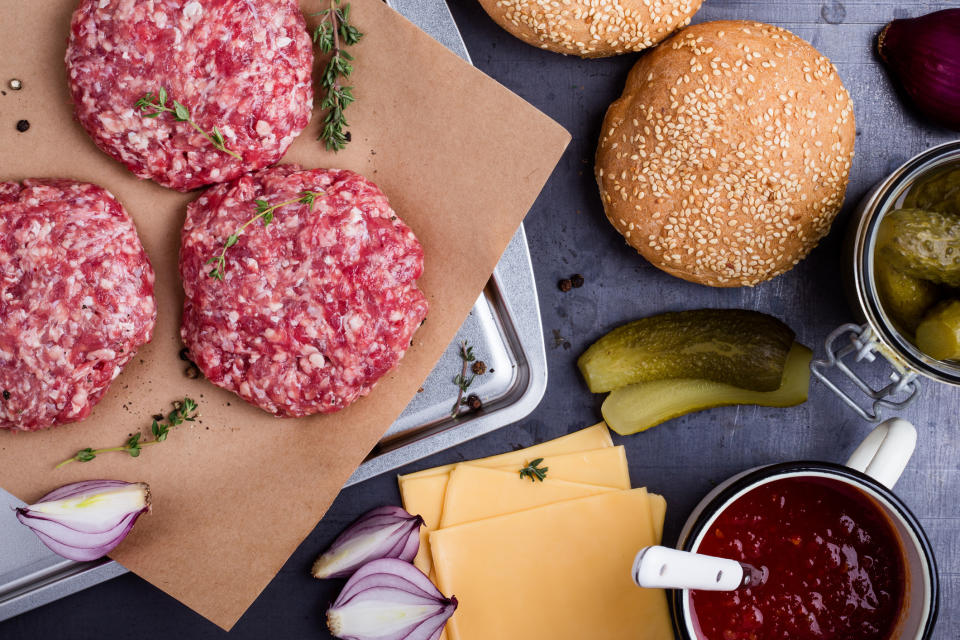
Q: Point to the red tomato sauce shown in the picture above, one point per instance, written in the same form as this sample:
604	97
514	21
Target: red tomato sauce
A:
836	570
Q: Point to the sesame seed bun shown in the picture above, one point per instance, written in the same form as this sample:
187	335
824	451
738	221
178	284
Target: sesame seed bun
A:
726	158
591	29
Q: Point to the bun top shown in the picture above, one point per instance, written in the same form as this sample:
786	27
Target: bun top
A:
591	29
726	158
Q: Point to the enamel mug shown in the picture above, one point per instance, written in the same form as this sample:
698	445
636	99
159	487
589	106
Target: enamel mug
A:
873	469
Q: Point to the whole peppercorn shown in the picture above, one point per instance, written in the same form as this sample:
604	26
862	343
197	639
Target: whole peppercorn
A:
479	367
565	285
23	125
474	402
576	280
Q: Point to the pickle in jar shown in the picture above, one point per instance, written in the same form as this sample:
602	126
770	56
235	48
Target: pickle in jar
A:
939	192
905	299
922	244
938	335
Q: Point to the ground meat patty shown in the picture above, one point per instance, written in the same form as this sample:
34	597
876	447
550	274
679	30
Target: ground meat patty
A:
242	66
76	299
312	309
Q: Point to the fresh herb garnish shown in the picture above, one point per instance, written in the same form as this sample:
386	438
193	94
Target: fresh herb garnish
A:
154	106
534	471
332	34
265	212
183	411
461	380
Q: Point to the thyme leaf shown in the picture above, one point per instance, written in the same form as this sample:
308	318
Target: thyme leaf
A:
151	106
461	380
264	212
534	471
332	34
183	411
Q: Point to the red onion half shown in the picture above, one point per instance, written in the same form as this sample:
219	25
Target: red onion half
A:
923	55
385	532
389	600
86	520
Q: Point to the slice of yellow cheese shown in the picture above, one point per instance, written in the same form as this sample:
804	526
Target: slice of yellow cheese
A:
595	437
423	492
658	513
560	571
475	493
604	467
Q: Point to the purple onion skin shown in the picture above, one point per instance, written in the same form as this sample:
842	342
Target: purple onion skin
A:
923	56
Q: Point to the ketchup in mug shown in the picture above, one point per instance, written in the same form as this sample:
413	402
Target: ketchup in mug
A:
836	570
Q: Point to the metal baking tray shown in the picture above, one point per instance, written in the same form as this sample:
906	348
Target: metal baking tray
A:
503	327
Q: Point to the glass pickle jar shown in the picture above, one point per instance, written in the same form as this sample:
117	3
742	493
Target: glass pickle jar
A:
877	334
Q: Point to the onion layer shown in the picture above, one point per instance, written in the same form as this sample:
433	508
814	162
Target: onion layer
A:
86	520
923	55
385	532
389	600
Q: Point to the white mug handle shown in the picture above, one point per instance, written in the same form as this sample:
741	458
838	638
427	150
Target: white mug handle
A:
884	454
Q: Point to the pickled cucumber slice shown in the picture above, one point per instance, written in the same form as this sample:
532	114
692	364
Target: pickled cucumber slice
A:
923	244
744	348
939	192
938	335
903	297
637	407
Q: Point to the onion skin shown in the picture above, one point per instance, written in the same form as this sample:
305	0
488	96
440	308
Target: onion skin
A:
385	532
86	520
389	599
923	56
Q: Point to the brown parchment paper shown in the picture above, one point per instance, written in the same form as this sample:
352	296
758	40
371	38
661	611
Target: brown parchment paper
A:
461	159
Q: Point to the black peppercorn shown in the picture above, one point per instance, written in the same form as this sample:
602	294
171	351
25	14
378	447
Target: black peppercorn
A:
474	402
576	280
479	367
185	355
22	125
192	372
565	285
6	394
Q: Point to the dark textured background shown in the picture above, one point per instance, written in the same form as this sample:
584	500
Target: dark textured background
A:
684	458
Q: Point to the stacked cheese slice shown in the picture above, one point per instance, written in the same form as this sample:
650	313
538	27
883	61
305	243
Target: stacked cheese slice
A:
544	559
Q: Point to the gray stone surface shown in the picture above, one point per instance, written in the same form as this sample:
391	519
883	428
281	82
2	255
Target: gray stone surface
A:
684	458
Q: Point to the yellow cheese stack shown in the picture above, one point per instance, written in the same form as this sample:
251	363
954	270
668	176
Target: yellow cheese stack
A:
544	559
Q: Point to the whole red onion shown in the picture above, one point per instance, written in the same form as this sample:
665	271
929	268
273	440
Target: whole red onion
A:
923	55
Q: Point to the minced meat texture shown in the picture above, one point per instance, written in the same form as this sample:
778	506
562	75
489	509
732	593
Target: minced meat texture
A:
243	66
76	299
314	308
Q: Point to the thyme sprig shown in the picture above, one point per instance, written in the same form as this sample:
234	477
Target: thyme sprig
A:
154	106
461	380
265	212
183	411
332	34
534	471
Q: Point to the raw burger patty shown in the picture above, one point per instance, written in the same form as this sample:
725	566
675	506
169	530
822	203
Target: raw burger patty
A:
76	299
242	66
314	308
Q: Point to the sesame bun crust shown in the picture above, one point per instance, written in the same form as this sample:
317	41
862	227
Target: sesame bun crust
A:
591	29
726	158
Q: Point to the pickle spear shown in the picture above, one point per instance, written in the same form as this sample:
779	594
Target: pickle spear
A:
938	335
904	297
637	407
922	244
744	348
